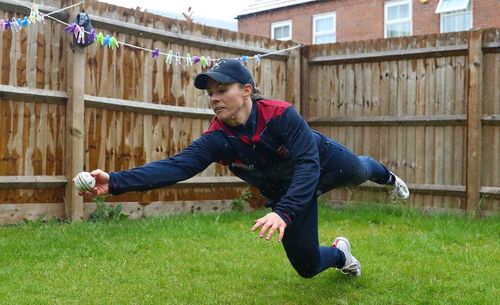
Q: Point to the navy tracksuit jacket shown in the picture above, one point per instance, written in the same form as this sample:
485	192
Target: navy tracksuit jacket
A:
275	151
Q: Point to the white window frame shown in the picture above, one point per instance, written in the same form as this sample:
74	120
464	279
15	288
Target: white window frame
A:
457	10
279	24
389	4
328	15
460	5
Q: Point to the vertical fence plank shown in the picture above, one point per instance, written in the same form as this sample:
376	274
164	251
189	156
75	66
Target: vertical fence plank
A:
420	152
474	112
293	79
459	102
384	110
375	107
439	141
411	96
401	105
304	81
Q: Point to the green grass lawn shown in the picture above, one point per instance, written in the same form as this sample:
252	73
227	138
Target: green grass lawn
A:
407	258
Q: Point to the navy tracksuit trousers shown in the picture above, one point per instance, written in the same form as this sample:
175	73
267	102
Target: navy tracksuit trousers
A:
301	240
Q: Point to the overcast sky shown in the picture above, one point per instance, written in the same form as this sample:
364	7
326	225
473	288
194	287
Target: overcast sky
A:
223	10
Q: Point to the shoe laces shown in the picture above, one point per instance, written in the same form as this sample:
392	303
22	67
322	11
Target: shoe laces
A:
397	191
351	269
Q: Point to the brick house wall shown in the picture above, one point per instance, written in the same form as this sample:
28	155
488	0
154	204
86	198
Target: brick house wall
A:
360	19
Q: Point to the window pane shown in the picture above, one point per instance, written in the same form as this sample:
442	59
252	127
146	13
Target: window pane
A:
399	29
330	38
286	31
282	32
455	22
447	24
406	29
395	12
277	32
404	11
391	30
468	20
392	13
324	24
461	22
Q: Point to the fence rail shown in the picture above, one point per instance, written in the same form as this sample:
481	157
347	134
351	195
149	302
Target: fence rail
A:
60	97
439	189
422	120
438	51
42	182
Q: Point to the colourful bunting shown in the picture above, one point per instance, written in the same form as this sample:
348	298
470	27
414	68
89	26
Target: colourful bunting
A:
24	22
189	61
35	15
14	25
77	30
156	53
107	41
204	62
99	40
169	57
256	59
17	24
177	58
80	37
114	43
91	37
70	28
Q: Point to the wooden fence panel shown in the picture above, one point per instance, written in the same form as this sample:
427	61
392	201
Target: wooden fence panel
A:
424	81
116	135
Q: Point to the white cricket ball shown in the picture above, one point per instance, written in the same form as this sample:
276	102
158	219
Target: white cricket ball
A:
84	181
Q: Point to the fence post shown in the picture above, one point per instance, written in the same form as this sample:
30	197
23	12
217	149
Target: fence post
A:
293	79
74	157
474	112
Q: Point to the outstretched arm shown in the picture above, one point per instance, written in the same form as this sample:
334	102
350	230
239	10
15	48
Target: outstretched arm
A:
192	160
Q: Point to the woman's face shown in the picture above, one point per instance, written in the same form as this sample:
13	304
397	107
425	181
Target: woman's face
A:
229	101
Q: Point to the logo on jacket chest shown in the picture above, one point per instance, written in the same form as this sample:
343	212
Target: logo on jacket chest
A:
239	164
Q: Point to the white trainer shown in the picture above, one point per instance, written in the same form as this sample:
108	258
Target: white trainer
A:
352	265
400	190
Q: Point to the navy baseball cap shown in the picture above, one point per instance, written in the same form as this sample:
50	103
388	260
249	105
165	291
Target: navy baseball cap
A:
225	71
